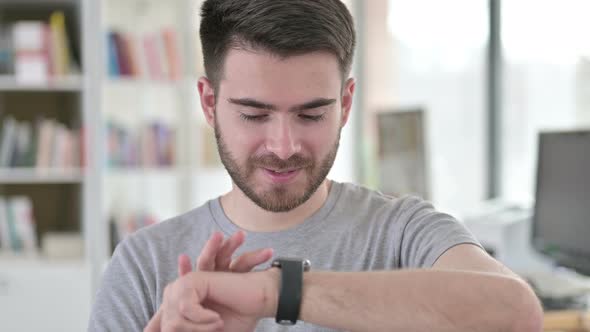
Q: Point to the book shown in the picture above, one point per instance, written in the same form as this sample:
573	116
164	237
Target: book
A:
135	62
122	55
60	47
45	144
37	51
31	63
153	55
9	130
6	52
22	209
152	145
113	59
23	146
17	225
13	230
4	231
58	150
45	141
172	53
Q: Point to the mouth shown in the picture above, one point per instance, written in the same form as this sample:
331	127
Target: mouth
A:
281	171
282	175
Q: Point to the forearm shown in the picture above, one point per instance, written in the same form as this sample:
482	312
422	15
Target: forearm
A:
419	300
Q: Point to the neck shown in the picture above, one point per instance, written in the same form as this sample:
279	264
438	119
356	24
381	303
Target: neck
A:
249	216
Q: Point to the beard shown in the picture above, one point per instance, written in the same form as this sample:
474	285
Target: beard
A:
280	197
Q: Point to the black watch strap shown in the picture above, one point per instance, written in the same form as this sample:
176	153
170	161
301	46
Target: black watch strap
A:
290	289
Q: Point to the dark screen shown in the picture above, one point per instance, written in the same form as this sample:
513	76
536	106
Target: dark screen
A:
561	226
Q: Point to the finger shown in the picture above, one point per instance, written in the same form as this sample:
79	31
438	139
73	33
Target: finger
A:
249	260
191	310
228	248
206	260
200	315
184	265
154	323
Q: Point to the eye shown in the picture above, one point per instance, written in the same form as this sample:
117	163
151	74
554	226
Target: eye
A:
313	118
253	118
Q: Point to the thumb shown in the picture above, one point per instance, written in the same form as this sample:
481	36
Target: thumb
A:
184	265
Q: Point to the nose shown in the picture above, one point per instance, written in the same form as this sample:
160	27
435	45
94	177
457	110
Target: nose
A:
282	139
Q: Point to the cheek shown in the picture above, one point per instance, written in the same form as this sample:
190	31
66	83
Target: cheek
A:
320	142
241	140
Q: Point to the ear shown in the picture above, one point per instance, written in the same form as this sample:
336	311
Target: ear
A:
347	93
207	95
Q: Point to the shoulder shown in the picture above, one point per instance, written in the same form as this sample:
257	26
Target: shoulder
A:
372	201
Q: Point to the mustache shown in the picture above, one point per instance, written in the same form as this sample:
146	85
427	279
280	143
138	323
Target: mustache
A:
272	161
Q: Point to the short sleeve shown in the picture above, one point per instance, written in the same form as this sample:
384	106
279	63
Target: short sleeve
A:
427	234
123	301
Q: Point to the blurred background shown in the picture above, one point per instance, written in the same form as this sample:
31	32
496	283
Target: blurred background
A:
480	106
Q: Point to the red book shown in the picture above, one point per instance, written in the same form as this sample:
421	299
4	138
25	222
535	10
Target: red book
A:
132	57
152	57
122	54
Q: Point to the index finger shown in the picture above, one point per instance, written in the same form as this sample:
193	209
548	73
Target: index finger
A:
223	258
206	260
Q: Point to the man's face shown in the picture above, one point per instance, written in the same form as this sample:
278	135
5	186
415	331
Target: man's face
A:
277	123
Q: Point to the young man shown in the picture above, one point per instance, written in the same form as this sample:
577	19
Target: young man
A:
277	93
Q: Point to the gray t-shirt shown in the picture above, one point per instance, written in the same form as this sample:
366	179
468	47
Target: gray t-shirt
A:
356	229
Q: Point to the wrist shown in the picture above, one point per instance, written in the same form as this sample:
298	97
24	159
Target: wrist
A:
272	280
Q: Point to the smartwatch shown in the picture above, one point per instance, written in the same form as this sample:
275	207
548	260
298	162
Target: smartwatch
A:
290	289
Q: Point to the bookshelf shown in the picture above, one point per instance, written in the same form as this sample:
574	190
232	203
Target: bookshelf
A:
72	83
40	176
96	116
49	165
146	109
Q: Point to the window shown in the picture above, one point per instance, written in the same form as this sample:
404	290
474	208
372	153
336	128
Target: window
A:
546	83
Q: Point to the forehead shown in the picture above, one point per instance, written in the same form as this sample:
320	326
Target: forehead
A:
259	74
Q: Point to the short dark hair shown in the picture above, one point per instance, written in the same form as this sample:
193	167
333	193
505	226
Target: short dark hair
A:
281	27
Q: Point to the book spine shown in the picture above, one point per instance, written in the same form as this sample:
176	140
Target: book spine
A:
16	244
113	58
31	59
24	223
60	45
7	143
172	53
5	242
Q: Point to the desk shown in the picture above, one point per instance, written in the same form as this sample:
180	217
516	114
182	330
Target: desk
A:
566	321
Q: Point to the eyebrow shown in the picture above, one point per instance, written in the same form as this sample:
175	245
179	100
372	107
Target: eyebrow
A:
249	102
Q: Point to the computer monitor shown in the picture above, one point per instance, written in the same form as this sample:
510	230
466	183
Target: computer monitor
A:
561	220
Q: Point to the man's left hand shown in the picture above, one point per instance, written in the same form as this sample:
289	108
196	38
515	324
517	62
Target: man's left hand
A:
240	299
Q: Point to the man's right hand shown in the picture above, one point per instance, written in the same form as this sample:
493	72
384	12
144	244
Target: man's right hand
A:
215	256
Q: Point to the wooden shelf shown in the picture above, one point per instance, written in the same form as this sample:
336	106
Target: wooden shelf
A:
133	82
72	83
37	261
147	172
39	176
